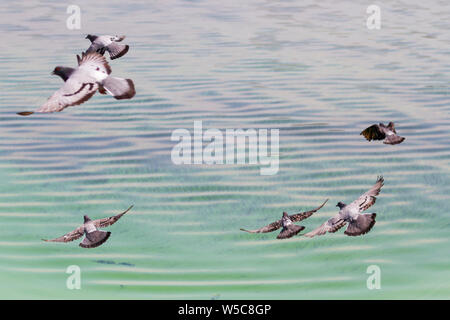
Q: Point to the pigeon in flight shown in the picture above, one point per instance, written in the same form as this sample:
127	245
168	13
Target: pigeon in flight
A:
380	132
101	44
80	84
93	236
358	223
287	223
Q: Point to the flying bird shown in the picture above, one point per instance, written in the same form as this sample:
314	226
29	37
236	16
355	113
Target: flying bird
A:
287	223
101	44
358	223
93	237
81	83
380	132
289	228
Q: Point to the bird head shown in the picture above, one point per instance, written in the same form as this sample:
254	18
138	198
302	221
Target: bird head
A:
63	72
86	219
285	220
340	205
56	70
91	37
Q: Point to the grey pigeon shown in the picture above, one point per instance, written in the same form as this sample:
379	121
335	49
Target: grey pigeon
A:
380	132
93	236
80	84
101	44
289	228
358	223
286	222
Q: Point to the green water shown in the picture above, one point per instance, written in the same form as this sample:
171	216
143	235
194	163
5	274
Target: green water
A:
313	71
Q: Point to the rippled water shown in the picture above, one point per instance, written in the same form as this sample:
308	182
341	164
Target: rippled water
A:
312	70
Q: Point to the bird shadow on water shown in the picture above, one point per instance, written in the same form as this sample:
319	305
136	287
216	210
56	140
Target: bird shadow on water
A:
115	263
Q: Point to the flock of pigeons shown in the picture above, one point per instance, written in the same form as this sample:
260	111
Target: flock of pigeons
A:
351	214
358	223
93	73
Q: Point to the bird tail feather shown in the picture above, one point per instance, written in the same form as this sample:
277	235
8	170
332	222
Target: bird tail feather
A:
117	50
393	139
290	231
361	225
95	239
119	88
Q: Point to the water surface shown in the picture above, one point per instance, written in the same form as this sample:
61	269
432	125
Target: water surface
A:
312	70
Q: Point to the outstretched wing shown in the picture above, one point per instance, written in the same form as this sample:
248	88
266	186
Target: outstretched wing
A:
373	133
96	47
105	222
117	50
73	235
93	61
331	225
368	199
303	215
269	228
72	93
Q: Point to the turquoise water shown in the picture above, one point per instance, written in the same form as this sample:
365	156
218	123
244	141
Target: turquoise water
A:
313	71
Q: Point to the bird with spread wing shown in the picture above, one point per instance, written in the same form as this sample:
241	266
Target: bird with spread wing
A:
81	83
93	236
382	132
287	223
111	44
358	223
